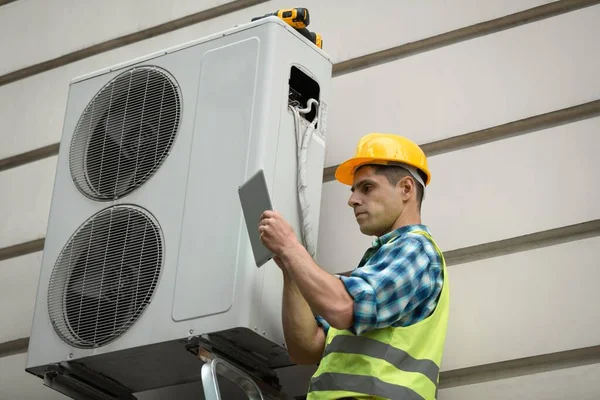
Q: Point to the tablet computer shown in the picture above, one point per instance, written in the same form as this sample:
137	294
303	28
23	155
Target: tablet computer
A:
255	199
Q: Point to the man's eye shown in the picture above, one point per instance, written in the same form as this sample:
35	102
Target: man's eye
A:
366	188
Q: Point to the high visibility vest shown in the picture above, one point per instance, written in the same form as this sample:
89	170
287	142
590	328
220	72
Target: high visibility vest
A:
388	363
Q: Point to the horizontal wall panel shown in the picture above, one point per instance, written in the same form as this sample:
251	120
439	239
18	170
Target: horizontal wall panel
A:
18	289
580	383
32	109
524	304
25	201
526	184
84	24
508	188
16	384
477	84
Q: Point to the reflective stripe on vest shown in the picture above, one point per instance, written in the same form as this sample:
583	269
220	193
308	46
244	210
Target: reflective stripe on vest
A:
376	349
390	363
362	384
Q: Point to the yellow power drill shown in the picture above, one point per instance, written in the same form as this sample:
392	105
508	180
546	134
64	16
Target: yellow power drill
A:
297	18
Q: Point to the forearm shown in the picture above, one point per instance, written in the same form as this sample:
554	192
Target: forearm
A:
325	293
305	340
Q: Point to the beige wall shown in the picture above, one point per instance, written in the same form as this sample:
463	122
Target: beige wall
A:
504	96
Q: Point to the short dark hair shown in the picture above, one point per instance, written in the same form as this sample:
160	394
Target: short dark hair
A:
394	173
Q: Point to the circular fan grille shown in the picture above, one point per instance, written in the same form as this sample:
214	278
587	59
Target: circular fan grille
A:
105	276
125	133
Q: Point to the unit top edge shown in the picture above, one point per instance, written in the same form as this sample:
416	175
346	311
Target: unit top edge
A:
195	42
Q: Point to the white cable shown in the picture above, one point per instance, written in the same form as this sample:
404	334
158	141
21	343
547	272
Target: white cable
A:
302	142
309	107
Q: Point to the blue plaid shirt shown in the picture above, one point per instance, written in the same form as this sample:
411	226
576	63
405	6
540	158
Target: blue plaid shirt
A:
397	282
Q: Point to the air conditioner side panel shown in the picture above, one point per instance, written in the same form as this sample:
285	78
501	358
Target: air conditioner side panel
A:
209	258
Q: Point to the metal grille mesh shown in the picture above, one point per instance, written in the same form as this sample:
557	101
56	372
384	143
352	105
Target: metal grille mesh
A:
125	133
105	276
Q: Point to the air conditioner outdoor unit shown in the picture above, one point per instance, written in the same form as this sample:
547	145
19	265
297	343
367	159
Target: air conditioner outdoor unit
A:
147	254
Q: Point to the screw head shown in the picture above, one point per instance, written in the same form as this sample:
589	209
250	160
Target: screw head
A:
70	355
191	331
264	332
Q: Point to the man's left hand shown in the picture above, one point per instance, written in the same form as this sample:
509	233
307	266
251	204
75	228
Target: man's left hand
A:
275	232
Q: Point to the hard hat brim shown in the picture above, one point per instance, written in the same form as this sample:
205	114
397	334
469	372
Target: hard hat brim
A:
344	173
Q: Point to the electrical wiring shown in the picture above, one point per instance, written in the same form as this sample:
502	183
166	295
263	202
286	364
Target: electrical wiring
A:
302	143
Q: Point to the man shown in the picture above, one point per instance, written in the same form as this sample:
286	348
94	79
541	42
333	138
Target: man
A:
379	332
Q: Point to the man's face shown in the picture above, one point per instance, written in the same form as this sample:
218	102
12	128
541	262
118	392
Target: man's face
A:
376	203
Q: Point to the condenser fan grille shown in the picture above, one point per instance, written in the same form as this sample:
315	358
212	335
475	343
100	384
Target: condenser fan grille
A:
105	276
125	133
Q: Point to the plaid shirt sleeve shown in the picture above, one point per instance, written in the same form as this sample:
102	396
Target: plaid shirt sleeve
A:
393	286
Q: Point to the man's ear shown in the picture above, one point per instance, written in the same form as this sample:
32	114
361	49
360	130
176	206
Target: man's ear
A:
407	187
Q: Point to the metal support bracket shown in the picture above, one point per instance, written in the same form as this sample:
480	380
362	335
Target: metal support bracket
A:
217	366
262	385
215	347
79	383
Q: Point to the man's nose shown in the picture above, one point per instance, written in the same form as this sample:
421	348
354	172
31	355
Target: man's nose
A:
353	200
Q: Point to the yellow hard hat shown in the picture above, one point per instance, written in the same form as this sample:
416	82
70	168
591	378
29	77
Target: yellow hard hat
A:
384	149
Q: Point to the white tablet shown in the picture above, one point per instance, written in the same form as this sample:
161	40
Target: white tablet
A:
255	199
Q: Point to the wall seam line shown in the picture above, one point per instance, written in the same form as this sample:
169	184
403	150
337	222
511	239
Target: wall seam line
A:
5	2
29	157
520	367
13	347
22	249
518	244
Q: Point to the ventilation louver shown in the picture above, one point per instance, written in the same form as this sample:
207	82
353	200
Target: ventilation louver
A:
125	133
105	276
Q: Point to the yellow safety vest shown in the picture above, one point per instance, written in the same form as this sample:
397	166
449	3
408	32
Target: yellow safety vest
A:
389	363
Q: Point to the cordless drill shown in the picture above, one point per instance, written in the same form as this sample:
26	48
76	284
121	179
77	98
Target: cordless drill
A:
297	18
